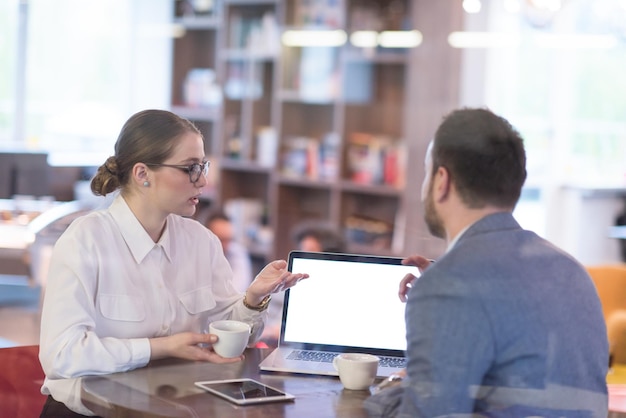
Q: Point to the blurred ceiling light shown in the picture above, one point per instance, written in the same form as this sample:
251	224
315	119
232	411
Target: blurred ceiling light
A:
483	40
364	39
472	6
575	41
512	6
400	39
314	38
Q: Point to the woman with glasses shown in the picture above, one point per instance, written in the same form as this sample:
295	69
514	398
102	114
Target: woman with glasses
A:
139	280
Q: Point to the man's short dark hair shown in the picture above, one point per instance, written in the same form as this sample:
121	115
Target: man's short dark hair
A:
484	155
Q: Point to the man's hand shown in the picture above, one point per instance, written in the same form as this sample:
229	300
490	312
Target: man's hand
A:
422	263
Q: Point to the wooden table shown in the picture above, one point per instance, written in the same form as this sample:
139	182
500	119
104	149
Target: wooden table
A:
165	388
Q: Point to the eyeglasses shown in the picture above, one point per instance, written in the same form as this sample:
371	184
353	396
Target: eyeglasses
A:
194	170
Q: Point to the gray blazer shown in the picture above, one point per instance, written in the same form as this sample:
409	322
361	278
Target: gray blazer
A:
506	325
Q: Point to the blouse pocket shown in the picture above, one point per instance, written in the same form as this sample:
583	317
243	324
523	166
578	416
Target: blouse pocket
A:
198	300
122	307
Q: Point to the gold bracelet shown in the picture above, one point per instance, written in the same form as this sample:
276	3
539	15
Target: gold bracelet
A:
265	303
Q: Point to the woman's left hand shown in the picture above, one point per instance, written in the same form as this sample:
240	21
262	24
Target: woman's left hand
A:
273	278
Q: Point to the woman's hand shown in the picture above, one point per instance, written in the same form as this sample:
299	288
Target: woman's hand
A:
422	263
273	278
186	345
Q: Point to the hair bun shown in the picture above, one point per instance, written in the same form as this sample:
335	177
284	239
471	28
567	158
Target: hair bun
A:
111	166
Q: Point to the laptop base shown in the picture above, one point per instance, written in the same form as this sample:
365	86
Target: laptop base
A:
277	362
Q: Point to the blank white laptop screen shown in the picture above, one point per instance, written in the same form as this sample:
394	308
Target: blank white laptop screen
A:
346	303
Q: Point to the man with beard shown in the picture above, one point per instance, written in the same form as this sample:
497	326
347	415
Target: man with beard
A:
504	324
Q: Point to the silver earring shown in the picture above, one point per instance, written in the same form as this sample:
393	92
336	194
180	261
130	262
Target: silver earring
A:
146	183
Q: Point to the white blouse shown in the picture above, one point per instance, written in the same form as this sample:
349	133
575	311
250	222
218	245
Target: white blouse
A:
111	288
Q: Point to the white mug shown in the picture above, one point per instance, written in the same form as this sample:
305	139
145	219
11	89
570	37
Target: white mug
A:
232	337
356	371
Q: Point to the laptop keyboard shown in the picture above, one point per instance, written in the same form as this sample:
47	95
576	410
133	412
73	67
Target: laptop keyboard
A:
327	357
318	356
395	362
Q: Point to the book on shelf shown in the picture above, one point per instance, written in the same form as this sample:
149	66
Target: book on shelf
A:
373	16
266	146
358	83
365	230
394	165
244	81
329	156
312	158
239	30
200	88
376	159
294	158
318	74
320	13
256	34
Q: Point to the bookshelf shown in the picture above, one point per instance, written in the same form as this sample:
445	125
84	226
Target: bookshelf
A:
341	127
223	81
302	132
196	92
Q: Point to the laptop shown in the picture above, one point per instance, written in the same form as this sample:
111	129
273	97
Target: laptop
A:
348	304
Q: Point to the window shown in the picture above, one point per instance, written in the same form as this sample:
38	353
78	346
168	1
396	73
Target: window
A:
89	65
560	82
564	89
8	63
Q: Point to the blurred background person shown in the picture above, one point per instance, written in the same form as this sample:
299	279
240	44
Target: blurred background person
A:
236	253
318	236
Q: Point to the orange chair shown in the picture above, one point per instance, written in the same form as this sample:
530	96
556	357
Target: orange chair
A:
21	378
610	282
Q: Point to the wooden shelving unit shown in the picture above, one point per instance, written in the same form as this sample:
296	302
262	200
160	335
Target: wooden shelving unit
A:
305	132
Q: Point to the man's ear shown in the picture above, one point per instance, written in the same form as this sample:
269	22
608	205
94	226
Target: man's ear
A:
442	184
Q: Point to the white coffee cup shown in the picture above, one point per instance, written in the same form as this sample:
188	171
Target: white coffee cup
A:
232	337
356	371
